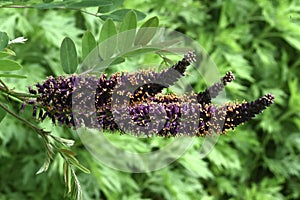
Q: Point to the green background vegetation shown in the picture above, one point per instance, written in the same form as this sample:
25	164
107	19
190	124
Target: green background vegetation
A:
259	40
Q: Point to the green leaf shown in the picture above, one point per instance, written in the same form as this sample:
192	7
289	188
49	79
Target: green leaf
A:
128	29
9	65
49	5
3	40
119	15
141	51
45	166
66	151
2	114
76	163
114	5
68	56
72	4
82	168
10	52
129	22
4	54
108	62
152	22
88	43
107	46
147	31
294	42
88	3
67	177
12	76
108	30
118	61
64	141
167	43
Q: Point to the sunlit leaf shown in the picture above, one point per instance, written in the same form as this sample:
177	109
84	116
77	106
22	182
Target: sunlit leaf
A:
65	25
9	65
68	56
294	42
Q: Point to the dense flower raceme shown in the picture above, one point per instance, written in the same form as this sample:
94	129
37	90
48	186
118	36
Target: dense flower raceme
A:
134	103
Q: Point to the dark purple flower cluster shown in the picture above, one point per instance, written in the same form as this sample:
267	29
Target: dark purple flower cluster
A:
134	103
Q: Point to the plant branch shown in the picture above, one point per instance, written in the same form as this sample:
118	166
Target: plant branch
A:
39	130
21	97
58	7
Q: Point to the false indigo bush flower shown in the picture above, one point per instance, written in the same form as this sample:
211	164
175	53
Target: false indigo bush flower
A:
134	103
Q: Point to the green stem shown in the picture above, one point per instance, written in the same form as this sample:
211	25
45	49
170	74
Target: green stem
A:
39	130
58	7
4	85
17	96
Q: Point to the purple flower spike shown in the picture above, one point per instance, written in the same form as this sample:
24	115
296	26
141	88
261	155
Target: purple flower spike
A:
239	113
151	83
132	103
206	96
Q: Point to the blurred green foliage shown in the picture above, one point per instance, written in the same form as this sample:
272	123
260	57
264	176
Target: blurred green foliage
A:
259	40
